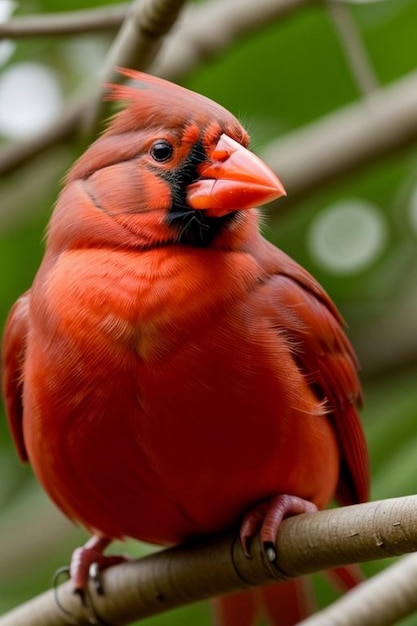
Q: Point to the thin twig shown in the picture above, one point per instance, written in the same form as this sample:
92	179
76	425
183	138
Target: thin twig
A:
194	30
185	574
107	18
135	45
353	47
209	28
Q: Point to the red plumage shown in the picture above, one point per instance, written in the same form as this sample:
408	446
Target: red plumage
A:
170	368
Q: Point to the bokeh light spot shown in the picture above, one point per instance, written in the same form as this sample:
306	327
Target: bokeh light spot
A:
347	236
6	9
7	46
30	100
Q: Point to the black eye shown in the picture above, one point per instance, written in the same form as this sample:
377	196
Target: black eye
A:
161	150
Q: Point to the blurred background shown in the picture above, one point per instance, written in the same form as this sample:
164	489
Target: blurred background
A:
328	91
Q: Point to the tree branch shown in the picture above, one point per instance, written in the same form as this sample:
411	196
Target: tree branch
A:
185	574
206	30
209	28
111	18
139	38
135	44
107	18
347	139
353	47
380	601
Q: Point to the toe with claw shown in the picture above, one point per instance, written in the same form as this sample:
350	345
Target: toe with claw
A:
266	518
87	564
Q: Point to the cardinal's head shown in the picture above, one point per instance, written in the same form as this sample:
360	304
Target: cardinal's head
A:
173	166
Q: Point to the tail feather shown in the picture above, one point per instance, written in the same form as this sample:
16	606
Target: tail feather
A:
345	577
239	608
281	604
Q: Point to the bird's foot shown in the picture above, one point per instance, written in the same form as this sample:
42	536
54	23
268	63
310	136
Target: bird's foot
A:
266	518
87	563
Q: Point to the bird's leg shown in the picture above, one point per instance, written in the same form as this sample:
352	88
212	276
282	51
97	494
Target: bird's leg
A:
266	517
88	561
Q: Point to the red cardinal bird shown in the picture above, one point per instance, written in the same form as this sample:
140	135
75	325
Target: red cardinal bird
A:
170	371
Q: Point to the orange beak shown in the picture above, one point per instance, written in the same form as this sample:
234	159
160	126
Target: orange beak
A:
233	179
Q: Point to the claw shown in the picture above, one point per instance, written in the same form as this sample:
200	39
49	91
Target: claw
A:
87	563
85	599
266	518
270	551
251	524
95	577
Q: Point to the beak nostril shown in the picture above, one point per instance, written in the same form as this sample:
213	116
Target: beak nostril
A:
220	155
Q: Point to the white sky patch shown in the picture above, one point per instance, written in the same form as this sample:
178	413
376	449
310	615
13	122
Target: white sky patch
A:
30	100
347	236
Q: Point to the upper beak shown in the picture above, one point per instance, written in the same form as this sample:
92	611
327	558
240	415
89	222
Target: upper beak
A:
233	179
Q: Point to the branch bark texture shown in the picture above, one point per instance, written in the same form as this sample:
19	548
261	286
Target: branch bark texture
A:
185	574
381	601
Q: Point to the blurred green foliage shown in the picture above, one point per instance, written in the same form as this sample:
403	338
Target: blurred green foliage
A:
278	79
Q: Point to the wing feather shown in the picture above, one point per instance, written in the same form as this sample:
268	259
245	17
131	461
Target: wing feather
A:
13	356
315	331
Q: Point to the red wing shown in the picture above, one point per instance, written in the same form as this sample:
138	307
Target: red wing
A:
13	355
320	346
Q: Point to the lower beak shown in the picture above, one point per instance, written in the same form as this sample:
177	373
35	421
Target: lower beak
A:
233	179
